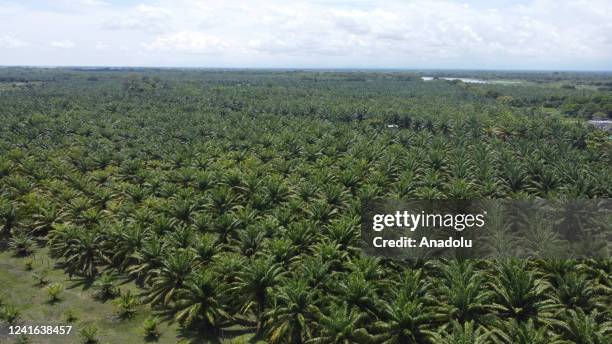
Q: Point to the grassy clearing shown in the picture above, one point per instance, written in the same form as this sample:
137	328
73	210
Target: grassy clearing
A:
20	289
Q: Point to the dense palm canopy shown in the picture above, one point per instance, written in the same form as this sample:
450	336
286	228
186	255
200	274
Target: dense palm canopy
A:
234	198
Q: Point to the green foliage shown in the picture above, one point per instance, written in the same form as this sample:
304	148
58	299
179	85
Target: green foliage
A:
53	291
89	334
106	287
21	243
233	199
9	313
150	328
127	304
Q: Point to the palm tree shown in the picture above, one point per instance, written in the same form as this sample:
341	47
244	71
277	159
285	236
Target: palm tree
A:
47	215
466	333
125	241
517	332
21	243
519	294
291	313
206	248
358	292
405	320
255	283
147	259
82	251
464	291
583	328
344	231
577	291
341	324
315	271
8	215
170	276
200	302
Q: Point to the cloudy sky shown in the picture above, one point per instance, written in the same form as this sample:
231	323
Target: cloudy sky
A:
481	34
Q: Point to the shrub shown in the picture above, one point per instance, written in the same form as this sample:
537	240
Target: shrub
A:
28	264
9	313
41	278
89	334
126	305
54	291
151	328
21	243
23	339
105	287
70	315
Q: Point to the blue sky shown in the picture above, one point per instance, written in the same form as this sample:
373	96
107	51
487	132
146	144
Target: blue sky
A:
505	34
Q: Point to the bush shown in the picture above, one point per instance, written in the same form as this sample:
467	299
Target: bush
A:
41	278
89	334
54	291
9	313
28	264
70	315
23	339
151	328
105	287
21	243
126	305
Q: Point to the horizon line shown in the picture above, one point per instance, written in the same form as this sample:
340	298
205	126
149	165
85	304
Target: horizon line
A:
501	69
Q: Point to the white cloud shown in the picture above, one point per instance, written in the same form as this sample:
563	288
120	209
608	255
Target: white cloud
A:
377	33
7	41
142	17
64	44
101	45
188	42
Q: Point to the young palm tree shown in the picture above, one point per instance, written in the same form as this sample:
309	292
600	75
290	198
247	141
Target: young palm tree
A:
125	241
21	243
47	215
344	231
8	215
358	292
577	291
